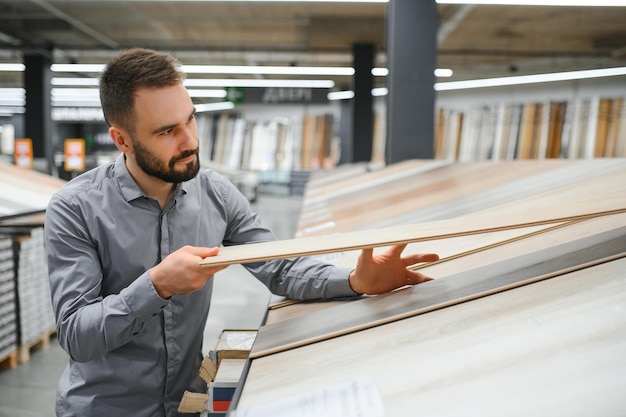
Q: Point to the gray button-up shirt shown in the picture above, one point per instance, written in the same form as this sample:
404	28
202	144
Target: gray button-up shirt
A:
133	353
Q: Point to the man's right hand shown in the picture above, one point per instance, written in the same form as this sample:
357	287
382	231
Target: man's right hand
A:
180	272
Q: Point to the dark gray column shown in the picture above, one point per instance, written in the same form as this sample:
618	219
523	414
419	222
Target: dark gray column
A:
411	59
362	103
37	120
345	131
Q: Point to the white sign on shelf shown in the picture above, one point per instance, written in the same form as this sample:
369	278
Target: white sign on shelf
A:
357	398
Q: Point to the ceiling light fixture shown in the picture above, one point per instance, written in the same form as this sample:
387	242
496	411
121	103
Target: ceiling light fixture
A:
531	79
208	82
246	69
211	82
10	67
226	105
573	3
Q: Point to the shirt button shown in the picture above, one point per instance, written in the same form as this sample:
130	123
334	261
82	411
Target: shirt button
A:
155	314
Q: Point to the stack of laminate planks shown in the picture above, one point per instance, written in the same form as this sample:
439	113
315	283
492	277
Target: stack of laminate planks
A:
26	317
8	307
525	314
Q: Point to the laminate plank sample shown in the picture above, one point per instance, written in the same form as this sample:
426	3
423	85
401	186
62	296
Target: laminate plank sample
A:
446	248
460	226
463	286
554	348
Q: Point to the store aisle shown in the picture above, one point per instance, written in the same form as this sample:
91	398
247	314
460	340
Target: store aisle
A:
239	302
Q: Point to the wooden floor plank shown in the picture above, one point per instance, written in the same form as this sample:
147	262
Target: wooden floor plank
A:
445	192
448	249
460	287
605	194
555	348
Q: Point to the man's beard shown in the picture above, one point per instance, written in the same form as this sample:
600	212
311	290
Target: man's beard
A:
154	167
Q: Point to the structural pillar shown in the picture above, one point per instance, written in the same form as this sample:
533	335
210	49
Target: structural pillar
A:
362	132
38	120
411	59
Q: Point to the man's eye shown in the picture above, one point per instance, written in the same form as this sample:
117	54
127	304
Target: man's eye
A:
166	132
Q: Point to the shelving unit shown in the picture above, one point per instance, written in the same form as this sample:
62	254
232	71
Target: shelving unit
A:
26	316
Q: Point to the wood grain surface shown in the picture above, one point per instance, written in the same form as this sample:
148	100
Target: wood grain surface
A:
281	308
600	195
402	234
492	277
555	348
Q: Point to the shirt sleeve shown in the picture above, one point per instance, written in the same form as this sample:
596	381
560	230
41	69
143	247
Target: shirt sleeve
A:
89	325
298	278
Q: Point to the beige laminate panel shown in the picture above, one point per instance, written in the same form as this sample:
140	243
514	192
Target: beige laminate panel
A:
556	348
446	248
374	202
402	234
470	283
603	194
450	191
25	190
510	190
323	189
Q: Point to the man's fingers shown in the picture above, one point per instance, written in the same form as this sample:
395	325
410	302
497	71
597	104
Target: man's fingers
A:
419	258
367	253
202	252
396	250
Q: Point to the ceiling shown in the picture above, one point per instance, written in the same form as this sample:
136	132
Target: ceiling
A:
475	41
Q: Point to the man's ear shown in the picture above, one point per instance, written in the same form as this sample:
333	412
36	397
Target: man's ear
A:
121	139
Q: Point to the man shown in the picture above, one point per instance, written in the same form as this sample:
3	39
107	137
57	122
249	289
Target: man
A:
125	241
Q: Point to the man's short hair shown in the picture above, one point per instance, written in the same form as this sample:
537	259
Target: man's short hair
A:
129	71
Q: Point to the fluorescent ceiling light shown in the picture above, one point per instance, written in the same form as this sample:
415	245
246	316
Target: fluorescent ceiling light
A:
439	72
95	68
207	93
501	2
598	3
9	111
530	79
378	92
259	83
287	1
226	105
341	95
75	82
13	93
443	72
12	102
380	72
75	103
222	69
75	92
246	69
12	67
347	95
85	82
266	70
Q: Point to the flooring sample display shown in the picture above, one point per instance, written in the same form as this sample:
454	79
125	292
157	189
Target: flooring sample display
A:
443	192
520	320
25	190
553	348
491	278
